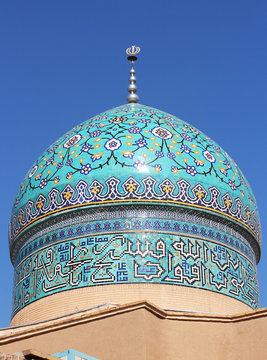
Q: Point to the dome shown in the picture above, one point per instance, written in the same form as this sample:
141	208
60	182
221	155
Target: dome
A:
133	170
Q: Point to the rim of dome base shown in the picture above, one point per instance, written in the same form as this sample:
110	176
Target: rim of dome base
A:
175	205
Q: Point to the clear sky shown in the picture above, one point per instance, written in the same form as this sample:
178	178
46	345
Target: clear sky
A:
64	61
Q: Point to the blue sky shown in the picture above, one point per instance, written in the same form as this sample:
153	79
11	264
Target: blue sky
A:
63	62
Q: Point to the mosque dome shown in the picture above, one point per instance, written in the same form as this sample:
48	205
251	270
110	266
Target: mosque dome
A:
139	200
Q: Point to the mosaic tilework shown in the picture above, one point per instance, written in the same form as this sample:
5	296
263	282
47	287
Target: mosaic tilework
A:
134	152
113	190
176	227
135	258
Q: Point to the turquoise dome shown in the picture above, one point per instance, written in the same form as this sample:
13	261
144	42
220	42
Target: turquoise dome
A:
135	196
134	153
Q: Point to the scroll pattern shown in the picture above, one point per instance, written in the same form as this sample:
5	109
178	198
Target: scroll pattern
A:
149	189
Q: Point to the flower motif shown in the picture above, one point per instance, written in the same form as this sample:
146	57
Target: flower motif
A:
167	117
67	195
174	169
116	225
232	184
191	170
167	225
43	183
134	130
200	194
131	187
158	168
59	165
118	119
199	162
137	224
141	142
56	180
113	144
95	189
167	189
185	149
33	171
40	204
49	161
195	131
144	121
171	155
138	164
208	156
52	149
170	123
69	175
222	170
139	114
95	133
72	141
69	162
97	156
85	169
176	226
186	137
159	154
147	224
107	226
128	154
86	147
226	162
161	133
101	118
228	202
215	147
97	226
38	177
79	230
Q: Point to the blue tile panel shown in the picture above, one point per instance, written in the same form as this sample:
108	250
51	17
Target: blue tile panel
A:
199	227
134	153
73	355
135	257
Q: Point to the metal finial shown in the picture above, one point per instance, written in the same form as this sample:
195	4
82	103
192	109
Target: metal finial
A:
132	88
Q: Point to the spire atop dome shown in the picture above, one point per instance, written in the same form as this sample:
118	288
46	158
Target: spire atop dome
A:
132	88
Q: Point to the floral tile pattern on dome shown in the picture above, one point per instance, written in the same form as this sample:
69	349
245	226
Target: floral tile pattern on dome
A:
133	142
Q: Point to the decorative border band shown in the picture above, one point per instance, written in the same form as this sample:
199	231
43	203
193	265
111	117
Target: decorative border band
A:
138	225
148	190
135	258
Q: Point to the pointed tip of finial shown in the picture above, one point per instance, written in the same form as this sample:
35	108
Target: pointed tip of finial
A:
132	88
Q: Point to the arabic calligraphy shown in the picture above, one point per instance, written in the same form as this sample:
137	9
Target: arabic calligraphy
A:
135	258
